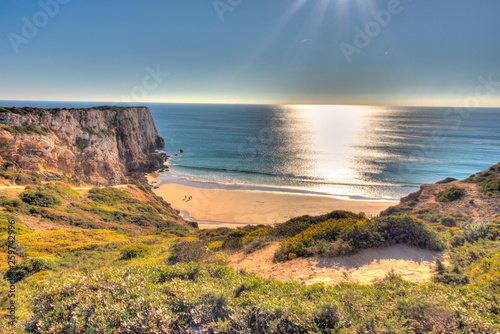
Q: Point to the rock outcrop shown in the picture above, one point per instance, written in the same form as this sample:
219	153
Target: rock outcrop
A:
101	145
479	202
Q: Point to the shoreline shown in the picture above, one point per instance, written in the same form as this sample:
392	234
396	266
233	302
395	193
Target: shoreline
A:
160	179
221	207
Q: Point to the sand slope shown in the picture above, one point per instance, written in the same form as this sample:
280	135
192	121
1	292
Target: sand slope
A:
366	267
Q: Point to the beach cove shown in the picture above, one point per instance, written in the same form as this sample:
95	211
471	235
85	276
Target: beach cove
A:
217	207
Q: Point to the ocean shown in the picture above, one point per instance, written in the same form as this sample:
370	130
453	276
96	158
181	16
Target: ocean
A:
359	152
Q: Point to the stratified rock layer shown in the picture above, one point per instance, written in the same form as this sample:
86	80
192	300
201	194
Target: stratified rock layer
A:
103	145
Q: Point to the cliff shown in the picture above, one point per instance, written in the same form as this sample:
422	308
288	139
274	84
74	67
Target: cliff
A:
102	145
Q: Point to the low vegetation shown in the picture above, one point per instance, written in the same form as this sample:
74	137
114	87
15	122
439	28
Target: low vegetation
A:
27	129
198	298
31	266
487	181
450	194
135	250
447	180
127	264
36	111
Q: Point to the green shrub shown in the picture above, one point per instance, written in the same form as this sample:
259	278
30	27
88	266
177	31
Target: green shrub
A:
110	196
487	273
260	232
214	232
190	251
399	209
332	249
347	236
450	194
300	244
40	198
64	192
19	227
216	245
447	180
474	231
407	230
487	181
31	266
135	250
28	129
298	224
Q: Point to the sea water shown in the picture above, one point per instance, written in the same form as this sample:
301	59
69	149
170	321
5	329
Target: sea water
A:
349	151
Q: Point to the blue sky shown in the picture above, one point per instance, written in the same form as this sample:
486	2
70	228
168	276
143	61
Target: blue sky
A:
252	51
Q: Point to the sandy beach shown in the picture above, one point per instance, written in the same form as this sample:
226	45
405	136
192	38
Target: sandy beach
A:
231	208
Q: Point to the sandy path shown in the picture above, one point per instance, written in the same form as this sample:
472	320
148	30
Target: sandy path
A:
366	267
257	207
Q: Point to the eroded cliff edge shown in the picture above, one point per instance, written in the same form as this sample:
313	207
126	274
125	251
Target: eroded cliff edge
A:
101	145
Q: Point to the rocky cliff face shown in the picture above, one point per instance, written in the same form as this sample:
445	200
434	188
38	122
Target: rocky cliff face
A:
103	145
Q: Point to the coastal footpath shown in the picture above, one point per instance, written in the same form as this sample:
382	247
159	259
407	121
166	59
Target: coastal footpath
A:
100	145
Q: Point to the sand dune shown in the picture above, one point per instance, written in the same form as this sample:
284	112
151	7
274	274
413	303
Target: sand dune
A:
366	267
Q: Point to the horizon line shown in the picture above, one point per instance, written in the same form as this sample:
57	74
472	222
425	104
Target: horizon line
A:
135	104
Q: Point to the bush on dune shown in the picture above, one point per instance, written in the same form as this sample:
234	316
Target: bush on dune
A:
407	230
296	225
347	236
300	244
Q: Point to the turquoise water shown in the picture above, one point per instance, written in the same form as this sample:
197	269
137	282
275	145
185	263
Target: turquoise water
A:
373	152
